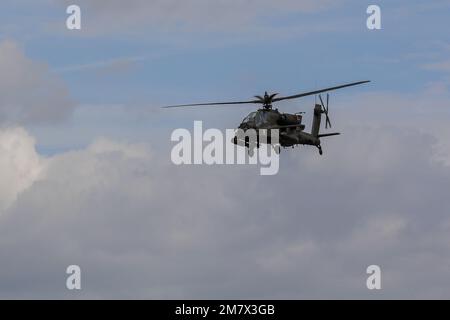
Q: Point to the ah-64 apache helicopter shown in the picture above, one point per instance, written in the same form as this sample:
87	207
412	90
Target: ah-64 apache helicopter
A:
291	129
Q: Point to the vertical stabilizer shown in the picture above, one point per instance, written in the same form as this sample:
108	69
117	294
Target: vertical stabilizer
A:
316	120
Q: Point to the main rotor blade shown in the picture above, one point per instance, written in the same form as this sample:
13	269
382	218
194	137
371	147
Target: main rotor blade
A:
213	104
300	95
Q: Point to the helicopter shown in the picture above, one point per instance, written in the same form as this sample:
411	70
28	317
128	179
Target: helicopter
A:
291	130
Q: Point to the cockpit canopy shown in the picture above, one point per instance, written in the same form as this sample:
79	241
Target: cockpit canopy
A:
261	119
250	117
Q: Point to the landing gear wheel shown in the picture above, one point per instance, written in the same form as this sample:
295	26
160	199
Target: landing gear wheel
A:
320	150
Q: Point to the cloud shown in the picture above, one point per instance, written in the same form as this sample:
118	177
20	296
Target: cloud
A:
425	110
140	227
20	165
107	66
141	16
437	56
29	92
443	66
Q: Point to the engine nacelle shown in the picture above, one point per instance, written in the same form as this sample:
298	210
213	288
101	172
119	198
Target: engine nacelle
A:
289	119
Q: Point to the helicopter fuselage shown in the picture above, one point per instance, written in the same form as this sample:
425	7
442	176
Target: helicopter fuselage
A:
291	129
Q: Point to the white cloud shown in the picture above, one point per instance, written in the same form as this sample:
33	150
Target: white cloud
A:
142	227
29	92
20	165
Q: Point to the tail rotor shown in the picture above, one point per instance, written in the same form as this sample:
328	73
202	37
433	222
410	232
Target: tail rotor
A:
325	110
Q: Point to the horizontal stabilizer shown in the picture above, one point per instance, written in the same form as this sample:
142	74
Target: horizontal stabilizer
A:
328	134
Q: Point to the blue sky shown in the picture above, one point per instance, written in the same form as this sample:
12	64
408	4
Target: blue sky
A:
163	68
147	64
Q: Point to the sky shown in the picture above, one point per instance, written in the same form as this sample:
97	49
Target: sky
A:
86	176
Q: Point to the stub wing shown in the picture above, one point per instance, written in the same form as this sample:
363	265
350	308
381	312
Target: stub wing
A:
289	126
